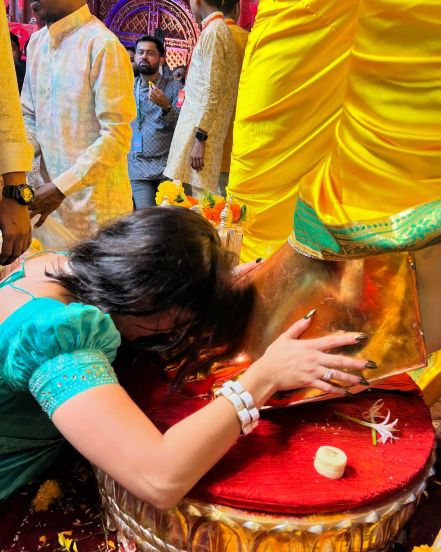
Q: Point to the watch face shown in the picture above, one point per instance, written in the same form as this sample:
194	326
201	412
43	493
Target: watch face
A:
27	194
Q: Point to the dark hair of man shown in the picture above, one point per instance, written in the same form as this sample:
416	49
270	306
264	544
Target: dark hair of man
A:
148	38
158	259
228	6
216	3
131	49
15	40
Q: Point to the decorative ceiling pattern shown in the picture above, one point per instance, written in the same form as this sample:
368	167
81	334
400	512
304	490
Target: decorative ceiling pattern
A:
130	19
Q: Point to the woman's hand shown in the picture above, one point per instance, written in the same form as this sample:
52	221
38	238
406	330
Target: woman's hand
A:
246	269
290	363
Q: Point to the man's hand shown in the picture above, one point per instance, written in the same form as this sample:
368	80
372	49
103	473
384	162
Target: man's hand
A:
15	226
197	155
158	97
47	198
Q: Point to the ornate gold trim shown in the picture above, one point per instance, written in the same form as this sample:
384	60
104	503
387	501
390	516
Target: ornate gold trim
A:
408	230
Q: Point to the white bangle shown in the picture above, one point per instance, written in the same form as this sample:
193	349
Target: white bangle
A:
243	403
249	428
232	397
246	397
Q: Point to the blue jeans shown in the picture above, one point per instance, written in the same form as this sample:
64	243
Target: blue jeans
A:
144	192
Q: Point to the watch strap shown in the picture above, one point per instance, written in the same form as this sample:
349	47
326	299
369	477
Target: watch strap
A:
201	135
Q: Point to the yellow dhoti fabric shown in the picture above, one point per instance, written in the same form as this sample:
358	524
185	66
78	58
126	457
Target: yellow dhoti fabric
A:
339	119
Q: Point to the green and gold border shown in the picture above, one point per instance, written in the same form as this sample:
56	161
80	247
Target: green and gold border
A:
408	230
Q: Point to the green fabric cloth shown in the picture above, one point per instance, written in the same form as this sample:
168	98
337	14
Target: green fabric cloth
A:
49	352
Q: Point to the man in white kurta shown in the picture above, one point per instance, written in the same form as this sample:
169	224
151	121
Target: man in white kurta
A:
210	96
78	103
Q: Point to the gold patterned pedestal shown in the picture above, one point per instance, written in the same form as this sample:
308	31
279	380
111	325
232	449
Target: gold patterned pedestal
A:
195	526
376	296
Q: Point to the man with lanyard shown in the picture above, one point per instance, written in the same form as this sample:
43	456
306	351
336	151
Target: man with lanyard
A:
156	97
210	96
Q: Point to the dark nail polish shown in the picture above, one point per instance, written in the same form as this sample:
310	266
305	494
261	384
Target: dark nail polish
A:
349	394
310	314
259	260
371	365
361	337
364	381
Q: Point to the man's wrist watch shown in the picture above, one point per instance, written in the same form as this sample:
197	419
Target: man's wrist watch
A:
22	193
201	135
166	110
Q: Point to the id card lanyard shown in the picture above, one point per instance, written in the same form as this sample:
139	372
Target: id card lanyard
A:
136	145
139	116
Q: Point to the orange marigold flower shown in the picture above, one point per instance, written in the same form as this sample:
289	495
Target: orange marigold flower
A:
218	208
235	211
192	200
210	214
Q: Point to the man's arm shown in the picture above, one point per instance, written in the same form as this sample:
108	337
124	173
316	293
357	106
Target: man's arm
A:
218	61
15	154
172	115
111	78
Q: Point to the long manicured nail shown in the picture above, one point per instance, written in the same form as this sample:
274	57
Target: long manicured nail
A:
310	314
349	394
361	337
259	260
364	381
371	365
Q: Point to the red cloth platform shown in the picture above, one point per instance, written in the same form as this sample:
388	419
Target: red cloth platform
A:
271	470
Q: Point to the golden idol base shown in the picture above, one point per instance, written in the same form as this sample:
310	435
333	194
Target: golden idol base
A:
195	526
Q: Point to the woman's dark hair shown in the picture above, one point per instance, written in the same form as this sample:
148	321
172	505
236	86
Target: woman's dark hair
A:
158	259
229	5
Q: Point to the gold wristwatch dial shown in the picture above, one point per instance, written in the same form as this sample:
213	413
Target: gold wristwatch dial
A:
27	194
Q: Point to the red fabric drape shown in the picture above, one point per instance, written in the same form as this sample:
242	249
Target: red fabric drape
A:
271	470
248	12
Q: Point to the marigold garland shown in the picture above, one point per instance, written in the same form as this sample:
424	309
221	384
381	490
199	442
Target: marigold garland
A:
211	205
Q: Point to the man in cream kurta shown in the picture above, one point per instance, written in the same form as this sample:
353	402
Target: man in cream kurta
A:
78	103
210	96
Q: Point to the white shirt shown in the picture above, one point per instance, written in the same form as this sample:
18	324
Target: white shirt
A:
78	103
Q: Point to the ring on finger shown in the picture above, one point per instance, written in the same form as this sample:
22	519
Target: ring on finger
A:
328	374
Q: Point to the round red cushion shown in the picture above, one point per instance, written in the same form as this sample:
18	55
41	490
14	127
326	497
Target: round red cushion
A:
271	470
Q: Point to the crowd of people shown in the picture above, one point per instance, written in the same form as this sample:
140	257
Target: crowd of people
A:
157	278
103	142
177	113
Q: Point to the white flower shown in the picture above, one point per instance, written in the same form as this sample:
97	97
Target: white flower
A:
383	428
